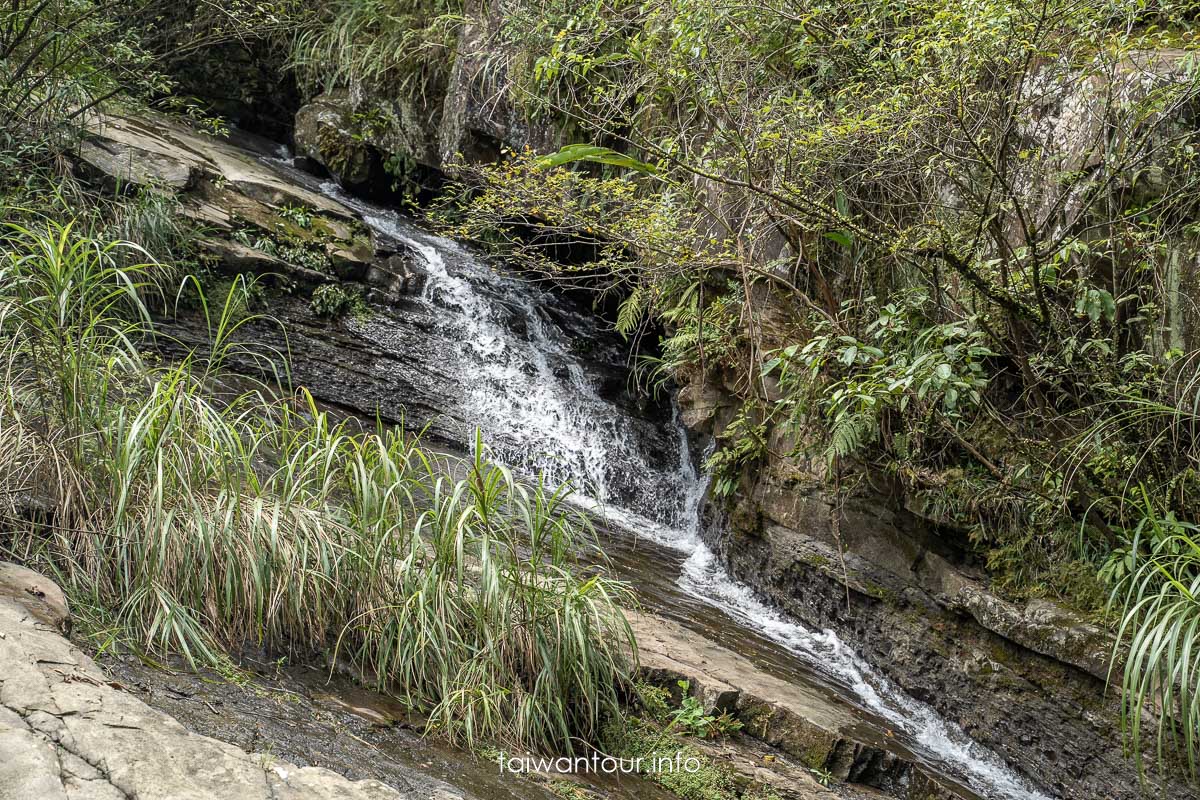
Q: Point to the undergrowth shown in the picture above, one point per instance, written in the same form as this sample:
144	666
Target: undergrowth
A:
193	519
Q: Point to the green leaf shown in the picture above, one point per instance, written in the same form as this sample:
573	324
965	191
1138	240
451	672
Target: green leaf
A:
840	237
590	152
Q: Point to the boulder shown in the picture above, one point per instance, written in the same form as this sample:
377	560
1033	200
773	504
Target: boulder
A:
326	133
353	137
351	261
156	150
120	165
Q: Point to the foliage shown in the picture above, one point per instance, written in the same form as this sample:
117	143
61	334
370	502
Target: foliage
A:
936	239
58	61
151	220
633	738
302	251
1158	591
333	300
405	46
204	523
903	366
693	719
298	215
62	61
864	220
745	446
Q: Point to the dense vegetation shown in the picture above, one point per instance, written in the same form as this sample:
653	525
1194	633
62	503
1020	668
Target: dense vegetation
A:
188	511
950	243
193	518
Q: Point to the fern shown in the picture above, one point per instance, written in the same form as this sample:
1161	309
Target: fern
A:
852	430
631	312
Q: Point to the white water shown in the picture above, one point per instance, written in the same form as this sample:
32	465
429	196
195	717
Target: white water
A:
704	578
542	412
527	390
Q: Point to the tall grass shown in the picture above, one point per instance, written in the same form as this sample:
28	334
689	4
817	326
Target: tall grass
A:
204	524
1160	629
402	47
1141	444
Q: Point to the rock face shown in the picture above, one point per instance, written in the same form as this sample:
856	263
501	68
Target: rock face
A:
475	116
68	733
1026	681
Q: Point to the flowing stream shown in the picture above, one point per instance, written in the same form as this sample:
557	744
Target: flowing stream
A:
543	407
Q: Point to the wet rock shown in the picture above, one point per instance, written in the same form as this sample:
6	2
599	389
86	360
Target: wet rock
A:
818	730
326	133
1025	681
66	731
396	275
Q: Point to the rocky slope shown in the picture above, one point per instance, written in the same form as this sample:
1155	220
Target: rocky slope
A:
398	366
1029	680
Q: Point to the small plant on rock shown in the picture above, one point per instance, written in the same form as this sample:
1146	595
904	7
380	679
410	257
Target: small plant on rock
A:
297	215
335	300
693	720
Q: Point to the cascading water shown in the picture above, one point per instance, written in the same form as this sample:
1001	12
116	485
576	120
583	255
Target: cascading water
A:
541	411
527	390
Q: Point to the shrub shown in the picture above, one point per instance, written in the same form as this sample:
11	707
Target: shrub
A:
333	300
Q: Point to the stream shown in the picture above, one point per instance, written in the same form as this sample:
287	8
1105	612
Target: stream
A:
546	383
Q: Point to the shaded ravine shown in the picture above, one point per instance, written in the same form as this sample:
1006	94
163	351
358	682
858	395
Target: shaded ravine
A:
516	374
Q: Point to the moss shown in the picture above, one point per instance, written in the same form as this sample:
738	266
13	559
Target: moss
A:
304	250
814	560
881	593
813	746
1001	652
568	790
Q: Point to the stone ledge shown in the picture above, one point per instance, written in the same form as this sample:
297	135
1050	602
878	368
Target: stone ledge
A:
68	733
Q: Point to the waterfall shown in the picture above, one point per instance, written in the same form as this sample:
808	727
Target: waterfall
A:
524	385
541	411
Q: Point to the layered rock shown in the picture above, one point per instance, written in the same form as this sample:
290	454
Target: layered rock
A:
817	730
251	218
1028	681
